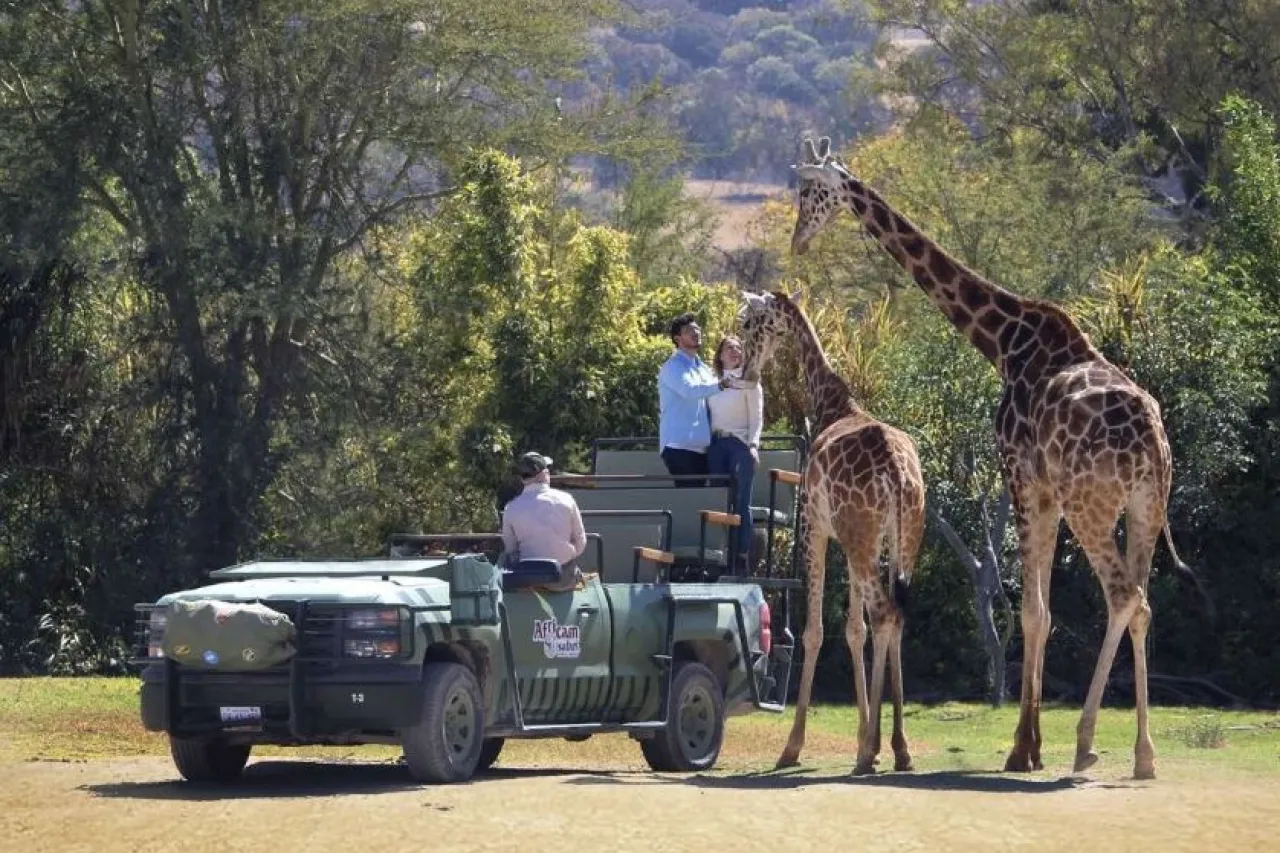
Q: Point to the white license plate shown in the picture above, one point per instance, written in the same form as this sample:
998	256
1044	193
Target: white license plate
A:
240	714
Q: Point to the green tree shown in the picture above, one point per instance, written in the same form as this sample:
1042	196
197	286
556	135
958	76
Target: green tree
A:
244	149
1140	78
1247	195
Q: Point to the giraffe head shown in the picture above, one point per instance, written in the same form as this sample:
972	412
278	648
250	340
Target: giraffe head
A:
763	323
821	180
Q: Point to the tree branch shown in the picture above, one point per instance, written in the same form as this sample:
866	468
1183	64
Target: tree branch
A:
957	544
384	213
102	199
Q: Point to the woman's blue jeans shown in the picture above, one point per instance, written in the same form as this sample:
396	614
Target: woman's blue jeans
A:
730	455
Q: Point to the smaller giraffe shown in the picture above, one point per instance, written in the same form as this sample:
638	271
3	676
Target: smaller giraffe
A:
862	485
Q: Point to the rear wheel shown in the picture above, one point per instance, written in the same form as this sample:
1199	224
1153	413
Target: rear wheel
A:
208	759
445	744
695	732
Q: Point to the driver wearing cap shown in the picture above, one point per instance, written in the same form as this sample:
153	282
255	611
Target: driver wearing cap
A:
541	522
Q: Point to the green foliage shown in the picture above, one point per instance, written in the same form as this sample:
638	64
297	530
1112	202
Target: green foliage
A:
777	78
228	345
527	328
1198	340
1140	79
1248	195
1207	733
742	76
669	232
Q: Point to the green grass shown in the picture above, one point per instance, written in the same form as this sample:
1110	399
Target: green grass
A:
63	719
974	737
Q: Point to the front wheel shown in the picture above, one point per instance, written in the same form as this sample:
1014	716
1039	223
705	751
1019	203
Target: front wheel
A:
695	732
446	743
208	759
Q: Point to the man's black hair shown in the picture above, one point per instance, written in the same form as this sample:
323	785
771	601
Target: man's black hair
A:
678	324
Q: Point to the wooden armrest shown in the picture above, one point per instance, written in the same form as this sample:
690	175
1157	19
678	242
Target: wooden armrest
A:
654	555
785	476
725	519
577	481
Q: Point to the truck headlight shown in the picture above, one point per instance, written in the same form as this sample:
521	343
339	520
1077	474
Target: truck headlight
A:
155	633
371	648
374	633
372	620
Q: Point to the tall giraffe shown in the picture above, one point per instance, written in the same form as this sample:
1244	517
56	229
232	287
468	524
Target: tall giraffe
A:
862	485
1077	439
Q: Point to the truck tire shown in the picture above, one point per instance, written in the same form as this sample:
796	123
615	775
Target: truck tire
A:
444	746
208	759
695	732
489	753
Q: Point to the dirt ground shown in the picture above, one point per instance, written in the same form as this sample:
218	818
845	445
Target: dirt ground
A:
137	804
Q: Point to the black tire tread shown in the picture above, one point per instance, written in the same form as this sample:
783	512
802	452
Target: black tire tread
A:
208	759
662	751
425	752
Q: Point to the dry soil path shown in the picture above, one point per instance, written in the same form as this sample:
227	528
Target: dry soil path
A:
137	805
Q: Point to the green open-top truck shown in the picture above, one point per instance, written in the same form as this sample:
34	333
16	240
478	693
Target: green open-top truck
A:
441	648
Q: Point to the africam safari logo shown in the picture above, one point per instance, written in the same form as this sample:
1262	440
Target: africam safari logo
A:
558	641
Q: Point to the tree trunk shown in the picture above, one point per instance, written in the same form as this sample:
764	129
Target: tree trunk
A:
987	589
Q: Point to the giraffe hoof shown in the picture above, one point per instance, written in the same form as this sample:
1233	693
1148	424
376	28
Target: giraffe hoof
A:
786	760
1085	760
865	768
1017	763
1144	773
902	763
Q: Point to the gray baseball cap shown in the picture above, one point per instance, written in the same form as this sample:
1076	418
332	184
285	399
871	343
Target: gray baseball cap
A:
533	463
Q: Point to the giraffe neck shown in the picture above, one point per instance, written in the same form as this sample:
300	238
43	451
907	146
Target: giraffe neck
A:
829	396
987	315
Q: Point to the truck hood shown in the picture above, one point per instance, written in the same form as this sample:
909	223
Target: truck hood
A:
359	590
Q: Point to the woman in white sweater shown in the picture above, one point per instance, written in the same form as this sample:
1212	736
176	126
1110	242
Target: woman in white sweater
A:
737	416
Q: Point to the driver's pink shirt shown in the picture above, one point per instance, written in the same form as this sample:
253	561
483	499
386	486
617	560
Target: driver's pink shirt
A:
543	523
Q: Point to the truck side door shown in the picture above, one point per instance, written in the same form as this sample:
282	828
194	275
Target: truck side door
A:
560	644
640	630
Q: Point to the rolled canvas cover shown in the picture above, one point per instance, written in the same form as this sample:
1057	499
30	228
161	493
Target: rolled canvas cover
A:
225	635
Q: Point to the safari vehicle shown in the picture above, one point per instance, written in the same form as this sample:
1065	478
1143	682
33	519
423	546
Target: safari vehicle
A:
440	648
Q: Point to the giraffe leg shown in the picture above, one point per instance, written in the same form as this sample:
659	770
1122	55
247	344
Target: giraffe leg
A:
1144	751
910	533
881	633
901	754
855	632
864	593
815	561
1144	524
1124	599
1037	534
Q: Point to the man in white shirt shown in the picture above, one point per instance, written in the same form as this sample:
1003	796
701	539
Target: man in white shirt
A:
542	523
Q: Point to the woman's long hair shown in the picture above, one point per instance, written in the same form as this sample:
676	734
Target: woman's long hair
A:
718	362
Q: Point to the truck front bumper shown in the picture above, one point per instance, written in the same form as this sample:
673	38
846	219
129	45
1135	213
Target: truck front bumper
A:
285	705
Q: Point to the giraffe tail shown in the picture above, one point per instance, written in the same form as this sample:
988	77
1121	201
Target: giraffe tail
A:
1188	576
901	586
901	580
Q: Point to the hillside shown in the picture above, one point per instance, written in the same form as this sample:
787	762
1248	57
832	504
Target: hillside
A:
744	79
